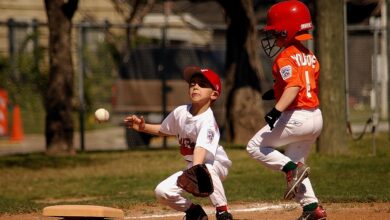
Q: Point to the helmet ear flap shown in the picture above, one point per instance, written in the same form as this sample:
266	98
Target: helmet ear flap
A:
283	33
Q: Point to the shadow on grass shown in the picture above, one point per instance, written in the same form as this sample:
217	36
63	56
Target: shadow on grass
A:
36	161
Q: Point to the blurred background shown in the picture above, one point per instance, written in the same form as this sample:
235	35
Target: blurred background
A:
135	68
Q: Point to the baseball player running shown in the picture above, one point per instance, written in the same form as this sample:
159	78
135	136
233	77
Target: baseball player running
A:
295	122
197	131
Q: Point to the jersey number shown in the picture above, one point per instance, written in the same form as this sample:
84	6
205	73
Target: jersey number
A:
308	87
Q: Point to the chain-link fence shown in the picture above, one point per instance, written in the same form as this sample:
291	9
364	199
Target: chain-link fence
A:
367	77
137	69
125	69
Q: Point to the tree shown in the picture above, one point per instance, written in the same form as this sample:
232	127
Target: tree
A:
58	98
330	46
133	13
243	72
388	60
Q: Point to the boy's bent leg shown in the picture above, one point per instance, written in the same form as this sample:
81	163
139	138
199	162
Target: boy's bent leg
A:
298	152
294	179
261	148
218	172
167	192
305	193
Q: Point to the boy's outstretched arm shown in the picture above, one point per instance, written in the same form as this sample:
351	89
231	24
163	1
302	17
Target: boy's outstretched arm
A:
138	124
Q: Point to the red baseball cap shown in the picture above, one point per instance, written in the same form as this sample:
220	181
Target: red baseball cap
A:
210	75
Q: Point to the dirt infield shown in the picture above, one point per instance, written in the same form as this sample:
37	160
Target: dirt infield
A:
287	211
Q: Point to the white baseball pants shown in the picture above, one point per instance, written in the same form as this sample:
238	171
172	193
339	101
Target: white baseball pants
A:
295	131
168	193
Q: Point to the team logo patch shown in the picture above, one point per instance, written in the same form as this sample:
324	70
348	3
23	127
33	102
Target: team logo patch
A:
286	72
210	135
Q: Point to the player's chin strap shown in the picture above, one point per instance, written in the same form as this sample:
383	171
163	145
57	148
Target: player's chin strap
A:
349	127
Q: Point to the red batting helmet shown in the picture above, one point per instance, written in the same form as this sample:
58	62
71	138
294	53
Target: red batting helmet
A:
290	20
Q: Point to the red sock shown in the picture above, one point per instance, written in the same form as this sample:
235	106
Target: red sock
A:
222	208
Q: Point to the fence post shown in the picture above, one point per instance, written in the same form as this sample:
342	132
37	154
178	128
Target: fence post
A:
81	47
161	67
388	61
34	24
11	43
383	63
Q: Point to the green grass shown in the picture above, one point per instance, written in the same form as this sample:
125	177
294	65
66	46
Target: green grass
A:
126	178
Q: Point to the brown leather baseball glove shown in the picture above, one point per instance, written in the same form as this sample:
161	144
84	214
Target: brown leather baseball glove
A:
197	181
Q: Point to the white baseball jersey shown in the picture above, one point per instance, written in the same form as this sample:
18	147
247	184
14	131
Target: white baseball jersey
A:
200	130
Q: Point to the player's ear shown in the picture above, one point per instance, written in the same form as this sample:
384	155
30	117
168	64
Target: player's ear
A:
214	95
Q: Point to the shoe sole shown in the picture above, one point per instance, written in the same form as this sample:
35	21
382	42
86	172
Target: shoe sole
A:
291	193
324	218
309	217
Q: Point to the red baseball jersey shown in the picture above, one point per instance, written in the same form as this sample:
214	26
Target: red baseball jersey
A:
297	66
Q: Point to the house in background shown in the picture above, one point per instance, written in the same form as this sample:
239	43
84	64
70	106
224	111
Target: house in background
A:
183	26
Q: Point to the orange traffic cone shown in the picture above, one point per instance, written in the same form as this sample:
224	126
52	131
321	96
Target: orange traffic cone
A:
17	127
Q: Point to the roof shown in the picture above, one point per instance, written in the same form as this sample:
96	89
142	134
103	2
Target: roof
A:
183	27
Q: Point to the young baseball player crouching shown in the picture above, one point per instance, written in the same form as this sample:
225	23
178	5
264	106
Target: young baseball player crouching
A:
197	131
296	121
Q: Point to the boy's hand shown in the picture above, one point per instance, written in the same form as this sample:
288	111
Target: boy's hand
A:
272	116
135	122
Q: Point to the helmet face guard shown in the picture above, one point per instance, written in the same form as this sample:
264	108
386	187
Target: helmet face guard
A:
268	42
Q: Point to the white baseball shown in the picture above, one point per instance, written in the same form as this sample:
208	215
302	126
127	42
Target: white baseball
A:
102	115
